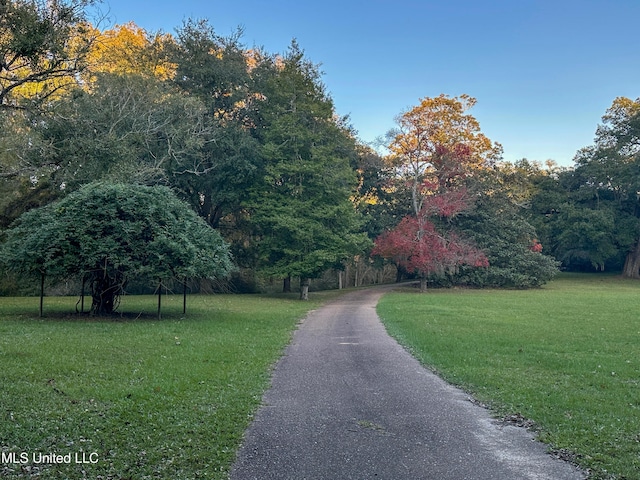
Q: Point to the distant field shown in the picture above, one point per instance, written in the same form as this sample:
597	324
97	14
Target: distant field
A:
566	357
135	398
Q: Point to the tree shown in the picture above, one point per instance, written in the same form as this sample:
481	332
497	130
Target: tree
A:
127	127
132	119
498	225
43	46
419	247
110	233
130	50
437	145
378	199
610	170
435	150
219	72
304	219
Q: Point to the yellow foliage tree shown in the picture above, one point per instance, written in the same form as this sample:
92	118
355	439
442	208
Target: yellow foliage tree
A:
130	49
43	46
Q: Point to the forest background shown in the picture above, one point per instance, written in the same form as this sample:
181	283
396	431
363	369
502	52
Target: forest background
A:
251	141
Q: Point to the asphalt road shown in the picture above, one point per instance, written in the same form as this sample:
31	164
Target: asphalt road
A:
347	402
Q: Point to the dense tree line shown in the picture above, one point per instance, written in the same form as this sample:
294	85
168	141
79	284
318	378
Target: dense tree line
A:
589	215
251	142
249	139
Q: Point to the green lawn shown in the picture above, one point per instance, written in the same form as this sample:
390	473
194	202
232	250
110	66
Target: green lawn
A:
141	398
171	398
566	356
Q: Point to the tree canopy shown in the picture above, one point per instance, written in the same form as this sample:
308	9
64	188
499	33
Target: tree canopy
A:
111	233
437	143
301	208
434	152
43	45
590	214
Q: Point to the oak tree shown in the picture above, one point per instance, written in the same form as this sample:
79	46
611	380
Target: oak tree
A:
127	127
590	213
43	46
218	71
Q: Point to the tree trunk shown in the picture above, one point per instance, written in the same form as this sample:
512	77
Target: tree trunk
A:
632	263
41	293
103	301
347	273
159	298
81	299
84	282
304	288
105	294
286	285
184	297
414	193
340	273
423	284
356	275
399	274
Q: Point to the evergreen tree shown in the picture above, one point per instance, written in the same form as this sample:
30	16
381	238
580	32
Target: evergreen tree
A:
304	219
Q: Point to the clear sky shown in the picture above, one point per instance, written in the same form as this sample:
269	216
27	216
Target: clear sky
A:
543	71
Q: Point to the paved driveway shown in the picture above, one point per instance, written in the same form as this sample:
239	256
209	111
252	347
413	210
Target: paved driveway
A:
347	402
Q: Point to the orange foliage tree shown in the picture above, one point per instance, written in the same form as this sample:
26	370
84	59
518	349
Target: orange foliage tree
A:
424	243
436	148
438	144
43	46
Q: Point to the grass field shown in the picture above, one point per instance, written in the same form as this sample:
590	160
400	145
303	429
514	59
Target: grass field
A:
147	398
566	357
135	398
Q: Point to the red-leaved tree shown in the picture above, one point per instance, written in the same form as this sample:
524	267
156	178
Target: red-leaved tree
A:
436	151
418	246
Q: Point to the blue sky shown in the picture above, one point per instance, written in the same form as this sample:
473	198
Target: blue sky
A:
543	71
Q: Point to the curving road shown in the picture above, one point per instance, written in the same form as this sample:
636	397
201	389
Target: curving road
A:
347	402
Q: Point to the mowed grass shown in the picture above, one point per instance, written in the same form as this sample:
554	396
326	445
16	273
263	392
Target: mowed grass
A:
566	356
140	397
